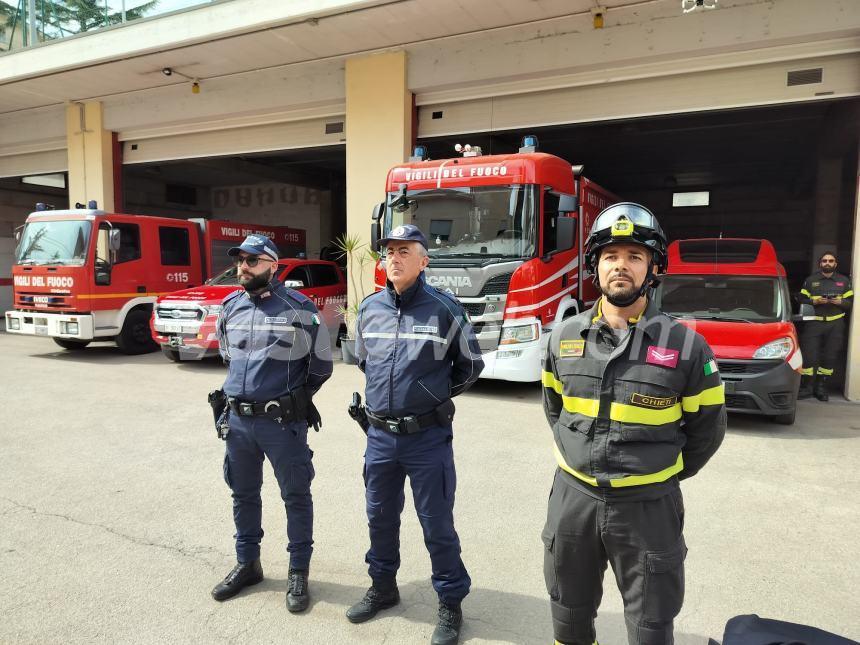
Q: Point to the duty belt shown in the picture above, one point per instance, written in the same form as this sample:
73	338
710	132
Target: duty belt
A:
292	407
412	424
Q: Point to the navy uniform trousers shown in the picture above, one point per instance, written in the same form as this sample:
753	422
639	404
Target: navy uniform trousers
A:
250	440
428	458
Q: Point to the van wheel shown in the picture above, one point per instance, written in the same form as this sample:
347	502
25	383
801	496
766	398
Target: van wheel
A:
786	419
135	337
68	343
171	354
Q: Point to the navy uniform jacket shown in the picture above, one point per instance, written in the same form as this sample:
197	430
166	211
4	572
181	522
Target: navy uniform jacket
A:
272	343
417	349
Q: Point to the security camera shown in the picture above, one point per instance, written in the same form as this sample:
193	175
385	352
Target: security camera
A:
167	71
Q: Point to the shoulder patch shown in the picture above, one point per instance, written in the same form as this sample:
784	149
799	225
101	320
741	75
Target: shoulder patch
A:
296	295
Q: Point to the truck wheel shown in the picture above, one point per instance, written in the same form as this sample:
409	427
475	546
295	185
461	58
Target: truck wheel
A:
68	343
135	337
171	354
786	419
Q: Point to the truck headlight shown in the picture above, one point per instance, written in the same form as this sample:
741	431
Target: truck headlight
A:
520	334
72	328
775	349
14	323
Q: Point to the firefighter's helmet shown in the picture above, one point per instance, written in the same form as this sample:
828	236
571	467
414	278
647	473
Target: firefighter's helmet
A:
626	222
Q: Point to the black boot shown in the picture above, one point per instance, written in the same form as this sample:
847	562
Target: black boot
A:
820	389
243	575
447	632
297	595
382	595
805	391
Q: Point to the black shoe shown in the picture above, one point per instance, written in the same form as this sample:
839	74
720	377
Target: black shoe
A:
805	391
243	575
447	632
380	596
297	596
820	389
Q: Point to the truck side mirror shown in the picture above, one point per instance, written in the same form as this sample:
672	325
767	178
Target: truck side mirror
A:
114	240
806	312
376	216
568	204
102	275
565	232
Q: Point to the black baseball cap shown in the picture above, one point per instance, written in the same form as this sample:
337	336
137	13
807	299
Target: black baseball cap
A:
406	233
256	245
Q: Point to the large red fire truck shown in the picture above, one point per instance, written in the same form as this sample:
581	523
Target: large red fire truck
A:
84	275
506	235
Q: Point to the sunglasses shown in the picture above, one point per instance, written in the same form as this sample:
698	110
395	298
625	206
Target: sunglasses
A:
250	260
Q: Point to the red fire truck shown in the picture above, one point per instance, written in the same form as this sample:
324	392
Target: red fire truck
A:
86	275
506	235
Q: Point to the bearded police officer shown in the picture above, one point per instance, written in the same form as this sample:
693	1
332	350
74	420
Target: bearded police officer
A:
635	402
831	295
278	355
417	350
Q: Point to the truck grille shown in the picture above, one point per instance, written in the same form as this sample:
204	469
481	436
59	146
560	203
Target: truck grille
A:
747	367
740	402
170	313
497	285
474	308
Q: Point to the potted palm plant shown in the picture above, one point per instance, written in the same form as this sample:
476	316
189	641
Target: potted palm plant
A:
358	255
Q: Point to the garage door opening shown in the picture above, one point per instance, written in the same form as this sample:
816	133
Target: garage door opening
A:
300	189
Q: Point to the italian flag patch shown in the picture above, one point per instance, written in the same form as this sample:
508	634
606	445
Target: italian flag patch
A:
710	367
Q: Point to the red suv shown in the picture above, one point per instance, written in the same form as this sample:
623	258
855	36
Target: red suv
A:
183	322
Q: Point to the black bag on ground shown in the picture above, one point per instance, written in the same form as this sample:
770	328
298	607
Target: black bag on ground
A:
753	630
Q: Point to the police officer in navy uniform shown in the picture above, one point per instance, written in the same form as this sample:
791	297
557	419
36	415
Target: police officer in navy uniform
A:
636	404
830	293
278	355
417	350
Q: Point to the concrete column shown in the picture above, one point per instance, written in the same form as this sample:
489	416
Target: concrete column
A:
852	366
378	136
90	149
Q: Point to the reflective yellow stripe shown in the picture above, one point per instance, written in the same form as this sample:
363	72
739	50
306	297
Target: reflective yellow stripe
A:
639	480
646	416
824	371
836	317
712	396
549	381
848	294
599	312
622	482
563	465
577	405
806	371
805	293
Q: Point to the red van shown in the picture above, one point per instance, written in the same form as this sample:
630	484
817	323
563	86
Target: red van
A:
734	292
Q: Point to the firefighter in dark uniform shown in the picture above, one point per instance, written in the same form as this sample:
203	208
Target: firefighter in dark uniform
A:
278	355
831	295
636	404
417	350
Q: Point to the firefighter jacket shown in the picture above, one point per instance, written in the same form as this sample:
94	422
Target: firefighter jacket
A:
632	410
417	349
273	343
836	285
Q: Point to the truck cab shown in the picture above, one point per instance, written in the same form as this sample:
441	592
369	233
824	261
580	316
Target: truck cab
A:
734	293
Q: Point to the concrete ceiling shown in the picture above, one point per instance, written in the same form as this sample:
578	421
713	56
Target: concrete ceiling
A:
371	27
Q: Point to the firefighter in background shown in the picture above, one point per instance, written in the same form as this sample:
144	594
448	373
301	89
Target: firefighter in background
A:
831	295
417	350
278	356
636	404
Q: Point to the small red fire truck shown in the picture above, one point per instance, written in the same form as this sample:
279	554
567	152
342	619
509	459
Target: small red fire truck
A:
84	275
506	235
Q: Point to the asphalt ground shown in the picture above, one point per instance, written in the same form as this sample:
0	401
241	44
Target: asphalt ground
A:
115	521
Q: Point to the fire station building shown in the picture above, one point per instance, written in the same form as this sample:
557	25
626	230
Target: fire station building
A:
292	113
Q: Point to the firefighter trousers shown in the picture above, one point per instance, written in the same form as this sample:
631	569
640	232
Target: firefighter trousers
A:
820	343
644	543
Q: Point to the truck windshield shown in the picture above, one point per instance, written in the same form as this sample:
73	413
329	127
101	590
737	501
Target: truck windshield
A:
228	277
721	297
480	221
54	242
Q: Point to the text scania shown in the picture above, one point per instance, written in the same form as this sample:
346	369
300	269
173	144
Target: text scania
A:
455	281
56	281
457	173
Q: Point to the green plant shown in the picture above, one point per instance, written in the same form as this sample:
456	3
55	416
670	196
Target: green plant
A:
358	255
